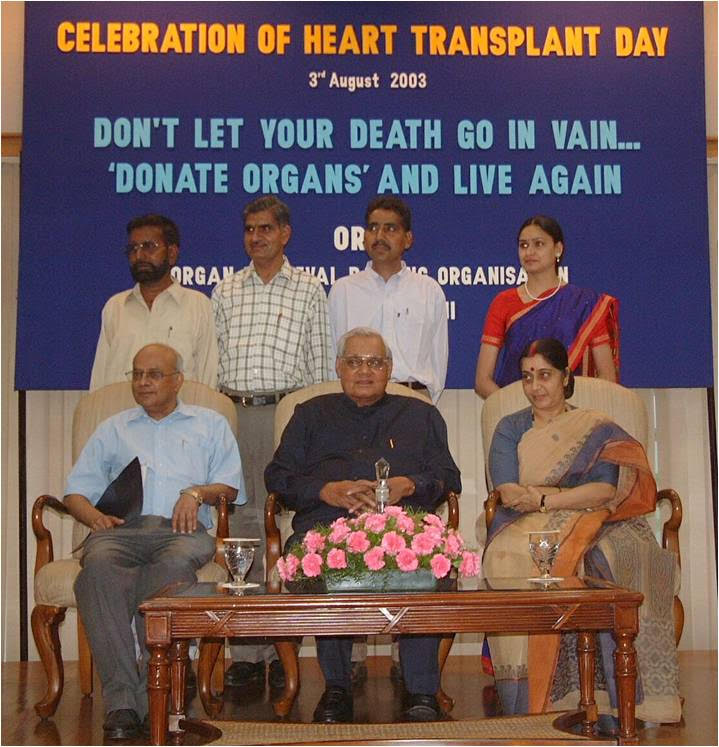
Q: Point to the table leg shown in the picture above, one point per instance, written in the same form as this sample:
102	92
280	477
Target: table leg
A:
625	666
179	658
158	690
287	651
585	655
209	651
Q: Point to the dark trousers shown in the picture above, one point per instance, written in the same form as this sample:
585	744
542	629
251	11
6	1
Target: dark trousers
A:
121	568
418	655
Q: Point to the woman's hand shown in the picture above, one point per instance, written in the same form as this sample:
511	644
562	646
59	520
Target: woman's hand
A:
526	499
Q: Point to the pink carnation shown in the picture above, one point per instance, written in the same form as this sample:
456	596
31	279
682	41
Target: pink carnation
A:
339	531
375	522
453	544
393	510
393	543
471	563
282	570
405	523
374	559
312	564
407	560
434	532
287	567
440	566
423	543
434	520
314	541
336	558
358	542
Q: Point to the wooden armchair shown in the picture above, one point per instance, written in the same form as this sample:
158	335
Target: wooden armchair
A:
626	408
54	579
276	532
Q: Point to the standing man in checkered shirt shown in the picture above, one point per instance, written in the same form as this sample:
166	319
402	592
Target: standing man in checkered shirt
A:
273	337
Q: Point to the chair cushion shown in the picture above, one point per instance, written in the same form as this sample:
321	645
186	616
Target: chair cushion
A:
54	582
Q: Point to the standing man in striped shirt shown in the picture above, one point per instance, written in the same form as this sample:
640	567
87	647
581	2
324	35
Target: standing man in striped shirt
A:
273	337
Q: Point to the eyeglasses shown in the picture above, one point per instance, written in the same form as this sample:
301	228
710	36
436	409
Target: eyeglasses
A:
153	374
355	361
146	246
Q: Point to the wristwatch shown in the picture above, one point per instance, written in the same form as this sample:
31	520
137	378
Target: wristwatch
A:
195	494
543	505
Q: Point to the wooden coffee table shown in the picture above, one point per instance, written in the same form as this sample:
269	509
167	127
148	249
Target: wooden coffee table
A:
183	612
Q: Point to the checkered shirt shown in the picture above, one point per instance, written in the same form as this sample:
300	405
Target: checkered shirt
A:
271	337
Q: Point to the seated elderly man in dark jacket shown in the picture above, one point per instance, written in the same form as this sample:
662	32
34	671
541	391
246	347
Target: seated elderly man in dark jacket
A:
324	469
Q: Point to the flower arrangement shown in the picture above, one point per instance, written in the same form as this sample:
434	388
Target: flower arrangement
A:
395	539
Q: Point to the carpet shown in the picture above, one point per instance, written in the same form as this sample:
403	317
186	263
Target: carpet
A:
511	729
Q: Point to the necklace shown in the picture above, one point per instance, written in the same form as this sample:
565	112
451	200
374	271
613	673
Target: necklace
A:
539	298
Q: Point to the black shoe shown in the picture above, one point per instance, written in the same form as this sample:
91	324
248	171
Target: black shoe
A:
422	708
276	675
123	723
359	673
243	673
335	707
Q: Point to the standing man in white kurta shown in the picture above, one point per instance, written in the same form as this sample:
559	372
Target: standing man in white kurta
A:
156	310
408	309
273	337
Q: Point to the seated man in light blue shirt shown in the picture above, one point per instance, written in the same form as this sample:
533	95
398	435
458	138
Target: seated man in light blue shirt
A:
188	458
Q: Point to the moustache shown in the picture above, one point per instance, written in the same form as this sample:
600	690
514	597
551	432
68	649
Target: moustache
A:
379	242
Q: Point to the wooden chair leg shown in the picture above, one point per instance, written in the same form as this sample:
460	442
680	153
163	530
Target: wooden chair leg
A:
84	658
445	702
209	650
217	678
287	652
45	620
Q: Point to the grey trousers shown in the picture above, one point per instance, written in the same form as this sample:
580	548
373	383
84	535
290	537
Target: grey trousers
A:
122	567
256	442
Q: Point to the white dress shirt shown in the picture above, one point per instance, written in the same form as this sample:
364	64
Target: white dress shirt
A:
409	310
179	317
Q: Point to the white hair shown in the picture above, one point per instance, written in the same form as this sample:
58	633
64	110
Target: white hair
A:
362	332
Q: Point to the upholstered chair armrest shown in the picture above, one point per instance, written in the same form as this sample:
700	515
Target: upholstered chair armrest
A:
44	554
670	533
223	529
490	507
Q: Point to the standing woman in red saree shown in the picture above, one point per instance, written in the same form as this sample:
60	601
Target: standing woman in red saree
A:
586	322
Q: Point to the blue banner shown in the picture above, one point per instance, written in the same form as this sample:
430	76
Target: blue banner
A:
478	114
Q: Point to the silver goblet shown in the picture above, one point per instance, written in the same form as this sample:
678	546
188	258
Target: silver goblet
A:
239	554
543	547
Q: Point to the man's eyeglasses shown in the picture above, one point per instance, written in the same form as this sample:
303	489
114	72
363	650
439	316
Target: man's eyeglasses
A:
145	246
355	361
153	374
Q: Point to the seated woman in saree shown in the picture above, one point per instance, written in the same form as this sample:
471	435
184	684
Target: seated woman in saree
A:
586	322
563	468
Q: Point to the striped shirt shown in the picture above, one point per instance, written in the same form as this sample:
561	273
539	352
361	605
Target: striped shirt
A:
273	336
